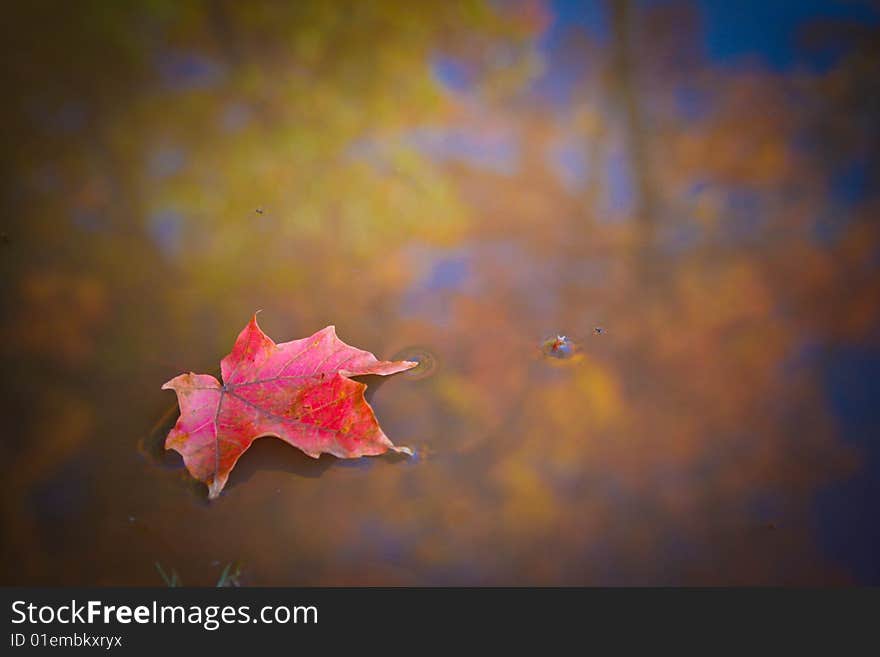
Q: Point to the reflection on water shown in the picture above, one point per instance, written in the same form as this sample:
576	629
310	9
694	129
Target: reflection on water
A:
452	193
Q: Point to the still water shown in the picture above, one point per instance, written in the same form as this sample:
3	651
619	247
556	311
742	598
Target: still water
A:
644	308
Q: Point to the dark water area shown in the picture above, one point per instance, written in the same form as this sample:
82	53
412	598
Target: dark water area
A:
635	255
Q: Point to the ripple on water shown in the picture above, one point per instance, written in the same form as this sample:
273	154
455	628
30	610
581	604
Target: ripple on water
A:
427	362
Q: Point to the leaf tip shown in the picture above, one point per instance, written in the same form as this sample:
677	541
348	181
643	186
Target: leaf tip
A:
403	450
214	489
169	384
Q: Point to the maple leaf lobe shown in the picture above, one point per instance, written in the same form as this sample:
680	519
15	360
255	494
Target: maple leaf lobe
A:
298	391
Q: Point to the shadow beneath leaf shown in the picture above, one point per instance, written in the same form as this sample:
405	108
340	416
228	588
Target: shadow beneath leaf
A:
151	446
373	382
274	455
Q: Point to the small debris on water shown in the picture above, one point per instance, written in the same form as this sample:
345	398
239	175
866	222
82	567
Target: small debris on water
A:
260	210
598	330
559	346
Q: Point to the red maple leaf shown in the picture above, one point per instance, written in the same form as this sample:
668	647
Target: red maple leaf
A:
297	391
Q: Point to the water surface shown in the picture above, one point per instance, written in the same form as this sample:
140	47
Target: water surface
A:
675	226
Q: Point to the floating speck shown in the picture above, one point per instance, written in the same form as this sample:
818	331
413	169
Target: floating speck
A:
598	330
559	346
